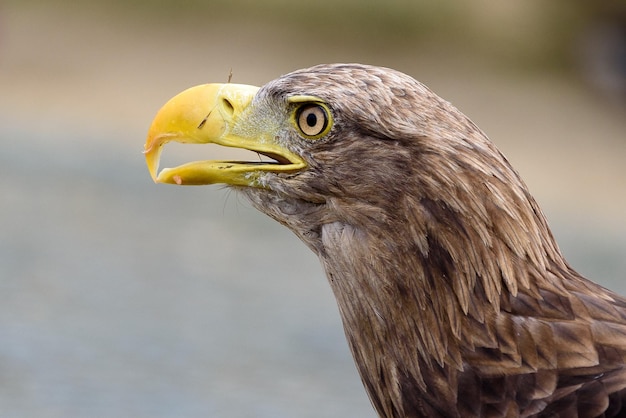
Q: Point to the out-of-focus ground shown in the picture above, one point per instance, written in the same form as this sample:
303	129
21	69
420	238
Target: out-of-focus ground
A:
119	297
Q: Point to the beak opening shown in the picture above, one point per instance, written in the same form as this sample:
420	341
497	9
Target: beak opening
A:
208	114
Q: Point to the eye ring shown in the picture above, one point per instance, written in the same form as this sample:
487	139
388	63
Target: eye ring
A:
313	120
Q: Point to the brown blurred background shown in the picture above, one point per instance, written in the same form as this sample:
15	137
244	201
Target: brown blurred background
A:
119	297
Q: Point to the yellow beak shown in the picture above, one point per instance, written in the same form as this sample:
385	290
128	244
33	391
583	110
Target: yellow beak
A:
215	113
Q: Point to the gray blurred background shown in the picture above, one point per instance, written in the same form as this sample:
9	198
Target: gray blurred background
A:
122	298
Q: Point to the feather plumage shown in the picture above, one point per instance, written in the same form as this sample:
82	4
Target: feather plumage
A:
455	298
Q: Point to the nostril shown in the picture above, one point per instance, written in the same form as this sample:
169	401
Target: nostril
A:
228	106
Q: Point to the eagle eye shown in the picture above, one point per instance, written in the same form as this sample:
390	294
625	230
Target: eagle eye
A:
313	120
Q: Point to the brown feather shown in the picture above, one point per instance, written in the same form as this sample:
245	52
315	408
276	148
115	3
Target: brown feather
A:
455	298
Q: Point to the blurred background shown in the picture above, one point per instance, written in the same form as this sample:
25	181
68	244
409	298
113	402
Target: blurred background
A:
119	297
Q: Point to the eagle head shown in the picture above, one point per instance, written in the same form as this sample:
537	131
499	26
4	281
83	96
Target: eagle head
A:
454	296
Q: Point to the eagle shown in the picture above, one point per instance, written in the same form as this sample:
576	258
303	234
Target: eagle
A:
454	296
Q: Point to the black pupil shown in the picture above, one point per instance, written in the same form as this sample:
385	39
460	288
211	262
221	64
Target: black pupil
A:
311	119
